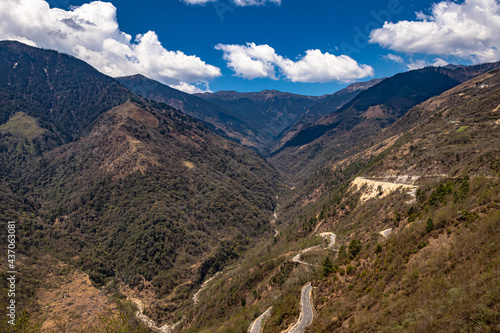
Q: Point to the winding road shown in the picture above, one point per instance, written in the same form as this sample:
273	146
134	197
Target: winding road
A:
297	257
196	297
331	237
386	233
149	322
258	324
306	314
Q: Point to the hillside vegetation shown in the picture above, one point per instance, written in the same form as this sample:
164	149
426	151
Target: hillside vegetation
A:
214	116
339	133
130	191
437	267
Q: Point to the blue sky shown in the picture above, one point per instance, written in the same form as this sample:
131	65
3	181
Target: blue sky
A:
308	47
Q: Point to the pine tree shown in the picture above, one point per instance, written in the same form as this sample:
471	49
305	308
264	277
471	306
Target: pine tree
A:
430	225
354	248
342	254
327	267
463	191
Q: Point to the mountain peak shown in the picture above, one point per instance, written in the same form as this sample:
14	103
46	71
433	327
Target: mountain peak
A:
134	76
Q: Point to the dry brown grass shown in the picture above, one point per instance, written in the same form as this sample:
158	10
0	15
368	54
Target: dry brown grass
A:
71	299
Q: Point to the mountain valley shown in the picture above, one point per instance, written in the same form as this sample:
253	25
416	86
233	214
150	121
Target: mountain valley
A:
140	208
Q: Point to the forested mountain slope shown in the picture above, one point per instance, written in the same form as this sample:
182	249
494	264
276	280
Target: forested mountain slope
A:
372	110
126	189
324	107
223	121
64	94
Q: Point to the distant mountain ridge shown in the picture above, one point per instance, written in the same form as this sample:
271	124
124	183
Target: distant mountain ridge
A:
255	119
259	96
223	122
325	106
270	111
369	112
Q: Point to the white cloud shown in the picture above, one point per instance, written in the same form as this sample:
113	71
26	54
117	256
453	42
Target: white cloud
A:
197	2
438	62
394	58
241	3
255	2
417	64
467	30
252	61
91	33
316	66
190	89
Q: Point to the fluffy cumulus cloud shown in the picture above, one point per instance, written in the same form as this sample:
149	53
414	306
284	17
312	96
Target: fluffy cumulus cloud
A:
91	33
469	30
241	3
252	61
